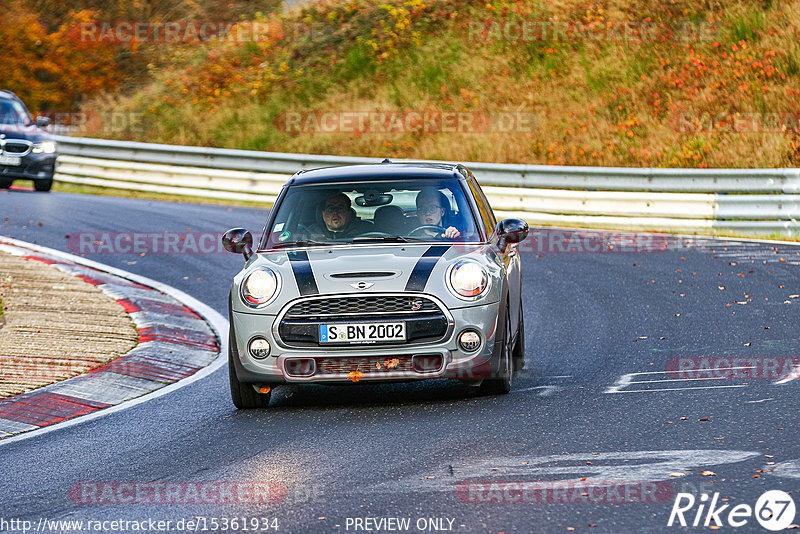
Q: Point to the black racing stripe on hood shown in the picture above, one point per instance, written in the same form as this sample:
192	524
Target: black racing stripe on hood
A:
424	267
303	274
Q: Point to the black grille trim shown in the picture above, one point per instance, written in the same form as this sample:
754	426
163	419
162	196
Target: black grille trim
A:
16	147
298	325
360	275
360	306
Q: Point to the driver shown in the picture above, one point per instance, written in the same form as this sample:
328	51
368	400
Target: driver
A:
431	207
338	220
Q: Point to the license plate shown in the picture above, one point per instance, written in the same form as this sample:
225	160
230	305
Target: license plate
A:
10	160
362	332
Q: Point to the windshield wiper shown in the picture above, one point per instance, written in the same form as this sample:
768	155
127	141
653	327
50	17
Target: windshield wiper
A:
384	238
302	243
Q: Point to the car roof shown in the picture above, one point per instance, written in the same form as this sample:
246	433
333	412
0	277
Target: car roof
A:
380	171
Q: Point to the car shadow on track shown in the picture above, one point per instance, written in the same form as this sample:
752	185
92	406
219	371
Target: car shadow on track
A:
401	393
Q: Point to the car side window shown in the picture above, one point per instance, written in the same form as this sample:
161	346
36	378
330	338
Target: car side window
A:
485	211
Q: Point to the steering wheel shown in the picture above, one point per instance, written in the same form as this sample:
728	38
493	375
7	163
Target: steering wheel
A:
426	229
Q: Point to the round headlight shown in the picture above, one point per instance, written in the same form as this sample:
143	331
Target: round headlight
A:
469	279
259	287
48	147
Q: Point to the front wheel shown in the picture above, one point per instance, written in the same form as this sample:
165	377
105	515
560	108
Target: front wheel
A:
43	185
502	384
243	395
519	348
5	183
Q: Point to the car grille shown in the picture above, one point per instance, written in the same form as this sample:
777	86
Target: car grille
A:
425	321
361	305
367	366
16	148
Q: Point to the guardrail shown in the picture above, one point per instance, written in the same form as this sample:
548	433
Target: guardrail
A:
747	201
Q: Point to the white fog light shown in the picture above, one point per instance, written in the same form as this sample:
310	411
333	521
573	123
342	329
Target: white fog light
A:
469	340
259	347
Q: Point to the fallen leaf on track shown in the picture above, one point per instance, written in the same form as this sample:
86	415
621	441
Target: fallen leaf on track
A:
355	376
708	473
677	474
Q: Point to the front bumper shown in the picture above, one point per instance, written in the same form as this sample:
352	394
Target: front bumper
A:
32	167
366	363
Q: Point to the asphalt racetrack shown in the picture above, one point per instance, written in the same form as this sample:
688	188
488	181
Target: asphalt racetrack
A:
656	372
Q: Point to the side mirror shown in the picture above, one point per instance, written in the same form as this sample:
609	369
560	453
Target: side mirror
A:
510	231
238	241
42	122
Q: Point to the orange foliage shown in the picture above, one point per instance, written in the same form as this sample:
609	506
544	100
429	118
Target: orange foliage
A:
53	71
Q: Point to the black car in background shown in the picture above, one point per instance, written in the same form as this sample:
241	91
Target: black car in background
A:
27	152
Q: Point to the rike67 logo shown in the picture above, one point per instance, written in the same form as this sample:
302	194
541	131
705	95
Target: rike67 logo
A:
774	510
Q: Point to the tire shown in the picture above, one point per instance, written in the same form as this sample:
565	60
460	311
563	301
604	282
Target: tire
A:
502	384
519	348
243	395
5	183
43	185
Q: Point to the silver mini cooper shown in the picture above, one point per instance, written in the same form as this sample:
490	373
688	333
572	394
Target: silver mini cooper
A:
371	273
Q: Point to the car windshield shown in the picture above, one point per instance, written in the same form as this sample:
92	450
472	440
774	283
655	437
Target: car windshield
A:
13	113
397	211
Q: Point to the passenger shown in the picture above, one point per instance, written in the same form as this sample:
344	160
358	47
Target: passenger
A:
432	206
337	219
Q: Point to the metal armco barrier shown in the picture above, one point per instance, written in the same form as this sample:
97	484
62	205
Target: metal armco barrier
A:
746	201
